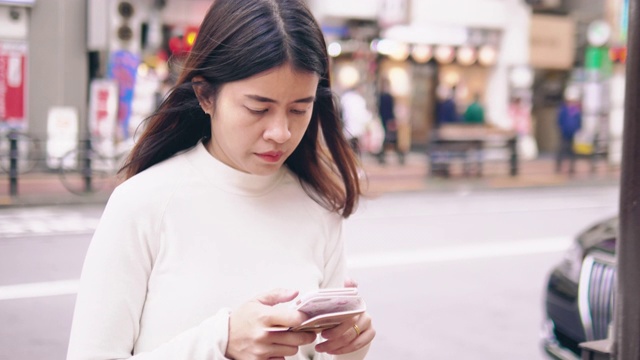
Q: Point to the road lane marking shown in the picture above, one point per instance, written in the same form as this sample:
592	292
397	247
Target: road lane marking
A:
457	253
505	209
41	289
29	235
364	261
46	223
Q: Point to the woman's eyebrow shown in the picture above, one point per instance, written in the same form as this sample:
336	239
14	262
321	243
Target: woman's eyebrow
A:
306	100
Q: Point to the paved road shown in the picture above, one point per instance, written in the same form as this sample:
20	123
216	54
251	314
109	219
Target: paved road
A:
461	275
453	275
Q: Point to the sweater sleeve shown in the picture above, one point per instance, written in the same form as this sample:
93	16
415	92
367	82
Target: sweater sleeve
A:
113	287
336	273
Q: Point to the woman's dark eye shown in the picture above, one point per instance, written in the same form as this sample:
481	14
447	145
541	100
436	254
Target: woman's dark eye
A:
299	112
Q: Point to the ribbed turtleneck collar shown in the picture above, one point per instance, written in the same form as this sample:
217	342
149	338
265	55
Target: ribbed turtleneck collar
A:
230	179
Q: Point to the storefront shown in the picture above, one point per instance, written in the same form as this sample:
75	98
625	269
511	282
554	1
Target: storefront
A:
552	57
581	55
453	62
14	25
430	47
444	52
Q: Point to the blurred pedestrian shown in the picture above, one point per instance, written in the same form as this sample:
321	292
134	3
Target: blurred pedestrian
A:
475	112
386	110
569	122
233	203
446	112
520	116
355	115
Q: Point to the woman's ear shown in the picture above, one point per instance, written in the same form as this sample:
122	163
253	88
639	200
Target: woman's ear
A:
200	87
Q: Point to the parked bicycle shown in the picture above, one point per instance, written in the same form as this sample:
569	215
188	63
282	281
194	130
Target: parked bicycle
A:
92	166
26	152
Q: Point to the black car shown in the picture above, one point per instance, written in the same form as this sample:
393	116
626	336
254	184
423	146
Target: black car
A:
580	292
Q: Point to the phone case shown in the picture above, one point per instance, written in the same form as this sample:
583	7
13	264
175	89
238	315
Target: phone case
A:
326	308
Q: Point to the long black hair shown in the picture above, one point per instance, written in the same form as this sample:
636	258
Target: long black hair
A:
238	39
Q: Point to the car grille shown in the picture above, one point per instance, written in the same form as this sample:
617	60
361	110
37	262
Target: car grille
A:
596	294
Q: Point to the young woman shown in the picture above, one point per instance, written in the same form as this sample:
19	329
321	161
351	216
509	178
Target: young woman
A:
232	205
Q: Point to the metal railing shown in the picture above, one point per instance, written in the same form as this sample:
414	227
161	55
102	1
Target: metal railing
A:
19	154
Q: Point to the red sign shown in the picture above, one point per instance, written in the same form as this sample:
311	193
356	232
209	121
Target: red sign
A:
182	44
618	54
103	108
13	67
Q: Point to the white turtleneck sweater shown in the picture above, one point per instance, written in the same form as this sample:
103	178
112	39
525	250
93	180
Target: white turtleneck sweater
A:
182	243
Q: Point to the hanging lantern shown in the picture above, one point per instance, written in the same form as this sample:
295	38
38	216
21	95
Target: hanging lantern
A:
444	54
421	53
466	55
487	55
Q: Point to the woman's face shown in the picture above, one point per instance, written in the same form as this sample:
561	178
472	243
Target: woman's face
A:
256	123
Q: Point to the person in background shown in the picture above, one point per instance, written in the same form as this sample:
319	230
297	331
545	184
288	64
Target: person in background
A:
569	122
446	112
474	113
232	204
355	115
520	115
386	110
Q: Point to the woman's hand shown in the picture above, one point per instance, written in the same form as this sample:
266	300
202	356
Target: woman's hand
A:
248	338
348	336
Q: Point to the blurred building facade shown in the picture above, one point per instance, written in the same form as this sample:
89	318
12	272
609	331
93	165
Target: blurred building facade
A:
112	60
430	47
14	37
595	31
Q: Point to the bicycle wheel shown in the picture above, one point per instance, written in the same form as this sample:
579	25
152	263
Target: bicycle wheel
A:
84	172
28	152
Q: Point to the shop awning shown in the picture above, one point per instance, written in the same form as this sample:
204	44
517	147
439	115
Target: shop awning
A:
427	34
27	3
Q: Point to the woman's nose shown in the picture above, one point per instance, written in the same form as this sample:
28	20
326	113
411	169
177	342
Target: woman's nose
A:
278	130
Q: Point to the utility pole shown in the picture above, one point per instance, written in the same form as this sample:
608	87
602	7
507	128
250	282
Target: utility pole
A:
624	343
627	308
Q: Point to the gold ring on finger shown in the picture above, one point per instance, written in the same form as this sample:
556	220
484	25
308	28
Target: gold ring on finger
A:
357	329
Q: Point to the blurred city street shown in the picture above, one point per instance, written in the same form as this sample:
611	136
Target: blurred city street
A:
489	134
452	274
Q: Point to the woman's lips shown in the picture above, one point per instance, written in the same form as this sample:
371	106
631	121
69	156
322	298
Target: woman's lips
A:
270	156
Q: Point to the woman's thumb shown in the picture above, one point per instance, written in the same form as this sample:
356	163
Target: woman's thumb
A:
277	296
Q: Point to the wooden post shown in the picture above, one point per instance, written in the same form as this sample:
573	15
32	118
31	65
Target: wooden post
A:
627	315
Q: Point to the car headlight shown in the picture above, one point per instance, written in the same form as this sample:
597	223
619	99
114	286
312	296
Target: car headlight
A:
572	262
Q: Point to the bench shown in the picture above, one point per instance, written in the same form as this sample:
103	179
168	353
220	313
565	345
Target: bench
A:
468	144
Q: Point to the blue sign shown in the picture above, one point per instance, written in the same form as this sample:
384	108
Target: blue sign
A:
624	21
123	67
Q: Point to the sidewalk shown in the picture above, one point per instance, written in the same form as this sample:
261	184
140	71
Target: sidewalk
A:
47	189
414	176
